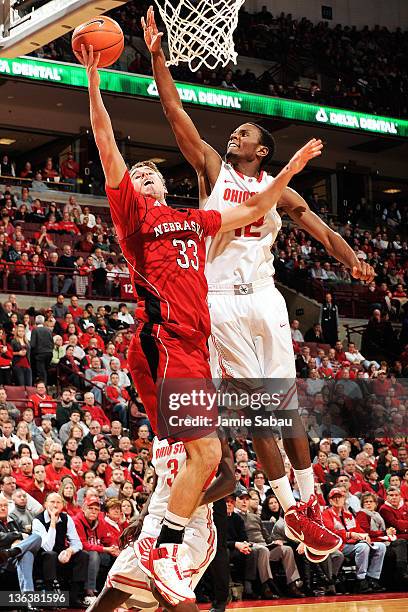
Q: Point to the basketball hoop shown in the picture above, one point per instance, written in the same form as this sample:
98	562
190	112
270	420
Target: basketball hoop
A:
200	31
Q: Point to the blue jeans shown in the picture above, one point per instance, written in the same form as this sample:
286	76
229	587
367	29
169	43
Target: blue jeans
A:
24	562
368	558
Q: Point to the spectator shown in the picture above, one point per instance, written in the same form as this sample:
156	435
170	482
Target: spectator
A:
21	358
142	440
95	411
94	534
12	411
39	489
124	314
57	529
329	320
41	400
395	513
119	398
8	488
297	335
315	334
17	547
247	558
67	264
368	556
259	538
56	470
23	436
70	170
67	491
46	432
42	347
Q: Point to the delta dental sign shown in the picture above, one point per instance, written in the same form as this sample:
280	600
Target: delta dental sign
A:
73	75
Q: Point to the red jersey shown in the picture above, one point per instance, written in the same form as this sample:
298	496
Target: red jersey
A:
165	251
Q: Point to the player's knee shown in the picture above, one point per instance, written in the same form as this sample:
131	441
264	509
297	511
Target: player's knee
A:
205	453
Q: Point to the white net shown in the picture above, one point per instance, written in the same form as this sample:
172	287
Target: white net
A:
200	31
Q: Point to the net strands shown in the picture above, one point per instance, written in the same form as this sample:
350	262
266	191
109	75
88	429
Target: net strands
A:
200	32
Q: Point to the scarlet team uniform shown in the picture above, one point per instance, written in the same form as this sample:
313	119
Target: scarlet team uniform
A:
165	251
200	535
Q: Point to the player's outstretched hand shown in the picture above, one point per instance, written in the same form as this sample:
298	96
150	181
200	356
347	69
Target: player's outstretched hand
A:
151	33
90	61
363	272
312	149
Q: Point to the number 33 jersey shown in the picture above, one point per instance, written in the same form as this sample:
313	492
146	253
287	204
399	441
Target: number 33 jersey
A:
243	255
168	460
165	251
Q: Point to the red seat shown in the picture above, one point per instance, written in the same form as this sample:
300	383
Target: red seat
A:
15	393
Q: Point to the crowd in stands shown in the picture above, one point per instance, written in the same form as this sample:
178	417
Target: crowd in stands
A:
77	445
346	67
40	178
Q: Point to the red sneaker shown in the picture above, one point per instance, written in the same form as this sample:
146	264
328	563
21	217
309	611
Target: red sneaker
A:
314	510
315	558
301	527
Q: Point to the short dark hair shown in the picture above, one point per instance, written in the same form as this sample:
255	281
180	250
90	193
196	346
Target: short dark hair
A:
267	140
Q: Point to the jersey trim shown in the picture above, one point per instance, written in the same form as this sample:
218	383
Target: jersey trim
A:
244	176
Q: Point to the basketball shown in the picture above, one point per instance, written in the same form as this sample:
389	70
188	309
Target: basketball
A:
104	34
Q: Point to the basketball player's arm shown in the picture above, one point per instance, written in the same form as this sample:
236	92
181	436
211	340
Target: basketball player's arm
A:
204	159
113	164
132	531
259	204
298	210
224	484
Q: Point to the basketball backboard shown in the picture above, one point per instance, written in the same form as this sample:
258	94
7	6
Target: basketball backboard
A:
27	25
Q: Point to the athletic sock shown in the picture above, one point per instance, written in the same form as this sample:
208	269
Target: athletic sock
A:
305	480
172	530
283	492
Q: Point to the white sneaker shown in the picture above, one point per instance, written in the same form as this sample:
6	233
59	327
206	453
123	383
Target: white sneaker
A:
167	565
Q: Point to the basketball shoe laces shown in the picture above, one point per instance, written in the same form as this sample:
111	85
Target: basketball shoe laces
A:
311	519
316	537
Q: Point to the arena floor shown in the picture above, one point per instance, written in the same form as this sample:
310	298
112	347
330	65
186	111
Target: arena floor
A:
387	602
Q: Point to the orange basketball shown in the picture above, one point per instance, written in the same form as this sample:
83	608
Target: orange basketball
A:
104	34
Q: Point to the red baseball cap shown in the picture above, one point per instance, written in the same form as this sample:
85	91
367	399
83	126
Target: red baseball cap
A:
92	500
335	491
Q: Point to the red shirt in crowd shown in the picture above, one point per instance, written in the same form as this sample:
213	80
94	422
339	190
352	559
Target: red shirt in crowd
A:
76	312
93	537
39	495
43	404
396	517
53	477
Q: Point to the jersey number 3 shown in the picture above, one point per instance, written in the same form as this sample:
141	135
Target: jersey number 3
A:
188	253
248	231
172	466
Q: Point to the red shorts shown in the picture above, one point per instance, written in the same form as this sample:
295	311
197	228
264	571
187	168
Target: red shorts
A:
173	379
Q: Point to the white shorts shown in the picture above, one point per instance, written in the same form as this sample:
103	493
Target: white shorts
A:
126	575
250	333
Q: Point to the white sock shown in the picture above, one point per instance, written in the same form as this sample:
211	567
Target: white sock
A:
305	480
174	521
283	492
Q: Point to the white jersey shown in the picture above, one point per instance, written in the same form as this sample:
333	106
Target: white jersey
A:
243	255
167	460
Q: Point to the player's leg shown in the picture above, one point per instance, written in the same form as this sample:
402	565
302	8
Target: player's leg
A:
203	457
162	365
303	523
108	599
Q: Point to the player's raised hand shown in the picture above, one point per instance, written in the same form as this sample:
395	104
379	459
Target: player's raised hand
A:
363	271
312	149
90	61
151	33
